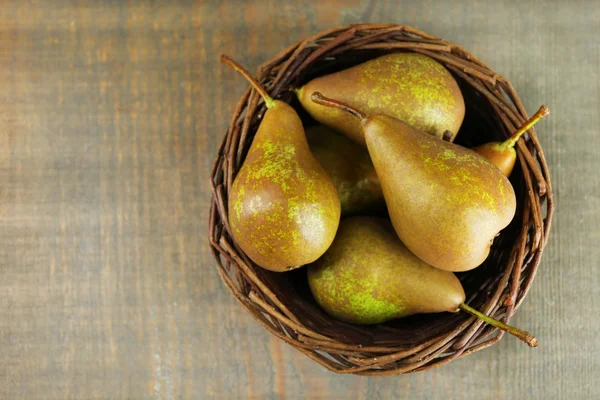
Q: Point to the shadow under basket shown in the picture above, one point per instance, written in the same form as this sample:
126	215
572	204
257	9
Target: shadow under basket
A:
282	302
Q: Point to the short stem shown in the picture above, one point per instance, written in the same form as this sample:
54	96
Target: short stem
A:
524	336
324	101
228	61
511	141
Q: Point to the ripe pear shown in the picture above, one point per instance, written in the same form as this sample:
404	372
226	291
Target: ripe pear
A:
503	154
446	202
411	87
283	208
368	276
350	168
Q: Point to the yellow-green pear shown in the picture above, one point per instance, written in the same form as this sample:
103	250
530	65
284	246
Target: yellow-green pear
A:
350	168
368	276
283	208
446	202
503	154
409	86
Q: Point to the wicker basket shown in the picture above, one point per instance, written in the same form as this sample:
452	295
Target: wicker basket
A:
282	303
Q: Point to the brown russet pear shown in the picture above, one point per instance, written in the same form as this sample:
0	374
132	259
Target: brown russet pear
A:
411	87
503	154
350	168
446	202
368	276
283	208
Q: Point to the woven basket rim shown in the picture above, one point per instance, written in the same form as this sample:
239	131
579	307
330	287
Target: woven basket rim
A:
256	289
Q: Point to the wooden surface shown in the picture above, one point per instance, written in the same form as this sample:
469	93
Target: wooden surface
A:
111	113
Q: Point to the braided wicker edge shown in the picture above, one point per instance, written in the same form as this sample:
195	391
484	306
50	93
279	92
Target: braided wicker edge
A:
248	285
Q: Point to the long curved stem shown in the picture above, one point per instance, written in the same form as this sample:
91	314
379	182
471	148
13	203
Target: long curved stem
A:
522	335
512	140
228	61
325	101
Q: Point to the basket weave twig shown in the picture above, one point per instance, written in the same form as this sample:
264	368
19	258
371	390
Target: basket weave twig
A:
282	304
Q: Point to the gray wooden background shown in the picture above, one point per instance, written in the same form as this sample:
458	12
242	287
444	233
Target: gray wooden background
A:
110	117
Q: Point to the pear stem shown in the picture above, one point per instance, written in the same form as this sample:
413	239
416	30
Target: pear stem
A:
447	135
511	141
522	335
268	99
325	101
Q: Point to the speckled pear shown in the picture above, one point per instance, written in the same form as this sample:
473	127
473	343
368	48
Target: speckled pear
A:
446	202
411	87
350	168
368	277
283	208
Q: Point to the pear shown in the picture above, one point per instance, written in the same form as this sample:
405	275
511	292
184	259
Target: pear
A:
283	208
446	202
368	277
503	154
411	87
350	168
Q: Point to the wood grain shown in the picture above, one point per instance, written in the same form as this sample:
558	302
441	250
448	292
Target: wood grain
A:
111	115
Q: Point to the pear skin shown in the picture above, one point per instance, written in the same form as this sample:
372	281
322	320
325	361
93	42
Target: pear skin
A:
283	208
350	168
446	202
368	277
411	87
501	156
